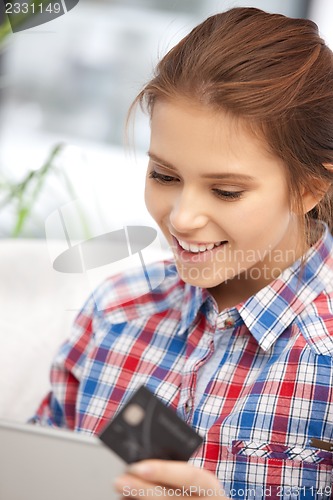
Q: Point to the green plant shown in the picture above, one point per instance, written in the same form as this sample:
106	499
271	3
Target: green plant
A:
22	195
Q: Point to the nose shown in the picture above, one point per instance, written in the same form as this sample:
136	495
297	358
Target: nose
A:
187	213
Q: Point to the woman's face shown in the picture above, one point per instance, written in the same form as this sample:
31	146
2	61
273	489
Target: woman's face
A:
220	198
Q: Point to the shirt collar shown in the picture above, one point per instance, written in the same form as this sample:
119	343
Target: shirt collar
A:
270	311
194	297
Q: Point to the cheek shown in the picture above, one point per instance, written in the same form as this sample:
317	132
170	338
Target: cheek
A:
258	216
154	200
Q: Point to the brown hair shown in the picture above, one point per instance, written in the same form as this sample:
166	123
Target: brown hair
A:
273	71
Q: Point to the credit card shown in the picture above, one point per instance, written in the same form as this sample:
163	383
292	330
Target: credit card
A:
146	428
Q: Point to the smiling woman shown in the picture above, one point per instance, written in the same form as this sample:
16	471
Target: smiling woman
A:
238	336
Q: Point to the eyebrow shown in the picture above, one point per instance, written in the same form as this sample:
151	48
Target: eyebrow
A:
222	176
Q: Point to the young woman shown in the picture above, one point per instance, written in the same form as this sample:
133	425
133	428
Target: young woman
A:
238	338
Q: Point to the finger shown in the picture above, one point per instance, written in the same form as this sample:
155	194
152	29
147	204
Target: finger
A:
175	474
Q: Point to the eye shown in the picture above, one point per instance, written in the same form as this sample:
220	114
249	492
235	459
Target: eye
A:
162	178
228	195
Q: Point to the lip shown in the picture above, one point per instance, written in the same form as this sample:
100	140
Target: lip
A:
196	257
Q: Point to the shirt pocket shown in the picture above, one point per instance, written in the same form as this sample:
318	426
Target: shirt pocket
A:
275	471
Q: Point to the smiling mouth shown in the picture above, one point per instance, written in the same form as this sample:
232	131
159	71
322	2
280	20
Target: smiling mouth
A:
198	248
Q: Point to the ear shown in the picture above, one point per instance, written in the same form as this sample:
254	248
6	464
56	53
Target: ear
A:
311	197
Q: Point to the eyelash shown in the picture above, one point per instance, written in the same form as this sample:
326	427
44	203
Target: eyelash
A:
228	195
163	179
167	179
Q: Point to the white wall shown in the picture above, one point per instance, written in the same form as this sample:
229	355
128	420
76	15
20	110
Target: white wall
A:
294	8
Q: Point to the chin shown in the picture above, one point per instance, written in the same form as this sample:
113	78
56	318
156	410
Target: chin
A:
193	276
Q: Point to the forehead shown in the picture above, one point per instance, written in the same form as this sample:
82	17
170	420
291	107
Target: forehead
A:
184	132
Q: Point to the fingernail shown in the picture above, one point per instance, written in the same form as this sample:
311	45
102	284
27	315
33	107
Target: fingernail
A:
140	469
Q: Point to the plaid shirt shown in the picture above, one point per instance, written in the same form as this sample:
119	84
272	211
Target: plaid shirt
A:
270	389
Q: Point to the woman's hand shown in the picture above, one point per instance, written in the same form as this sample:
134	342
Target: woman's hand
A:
151	479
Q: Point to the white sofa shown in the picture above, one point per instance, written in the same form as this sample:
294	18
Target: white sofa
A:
37	308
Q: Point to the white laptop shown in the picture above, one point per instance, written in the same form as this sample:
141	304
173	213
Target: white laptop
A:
40	463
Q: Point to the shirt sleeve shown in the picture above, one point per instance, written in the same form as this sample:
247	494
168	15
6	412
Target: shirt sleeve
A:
58	407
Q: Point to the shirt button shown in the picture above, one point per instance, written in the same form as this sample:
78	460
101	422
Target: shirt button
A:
188	407
229	322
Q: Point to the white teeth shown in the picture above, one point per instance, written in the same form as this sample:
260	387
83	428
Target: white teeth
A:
197	248
194	248
208	247
184	245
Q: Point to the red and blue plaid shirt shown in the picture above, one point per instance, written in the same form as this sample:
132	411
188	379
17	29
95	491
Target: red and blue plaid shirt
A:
270	389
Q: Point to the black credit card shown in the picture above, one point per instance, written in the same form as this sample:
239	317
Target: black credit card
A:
146	428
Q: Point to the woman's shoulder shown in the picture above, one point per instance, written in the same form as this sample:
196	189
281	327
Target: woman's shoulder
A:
145	287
